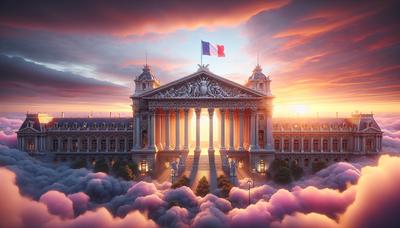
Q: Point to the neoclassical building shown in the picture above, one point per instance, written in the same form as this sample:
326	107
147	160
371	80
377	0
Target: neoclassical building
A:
203	113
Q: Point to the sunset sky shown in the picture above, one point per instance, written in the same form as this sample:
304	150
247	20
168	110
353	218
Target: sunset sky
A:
326	57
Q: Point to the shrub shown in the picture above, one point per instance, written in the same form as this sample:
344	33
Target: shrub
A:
296	171
283	176
203	188
225	186
182	181
317	166
101	166
77	164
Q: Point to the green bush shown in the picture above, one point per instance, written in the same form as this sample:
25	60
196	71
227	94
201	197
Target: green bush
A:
182	181
283	176
224	185
203	188
80	163
317	166
101	166
296	171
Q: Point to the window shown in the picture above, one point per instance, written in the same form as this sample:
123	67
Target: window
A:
55	144
325	145
369	145
315	145
121	145
277	144
94	144
344	144
261	85
296	145
335	145
286	145
85	145
306	145
143	86
112	145
103	145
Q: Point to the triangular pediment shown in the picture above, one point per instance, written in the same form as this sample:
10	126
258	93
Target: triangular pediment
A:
371	130
202	84
28	130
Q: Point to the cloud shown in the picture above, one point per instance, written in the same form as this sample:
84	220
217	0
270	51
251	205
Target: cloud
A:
57	196
330	52
23	82
125	18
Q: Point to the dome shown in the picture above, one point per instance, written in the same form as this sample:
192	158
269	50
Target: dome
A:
147	75
258	74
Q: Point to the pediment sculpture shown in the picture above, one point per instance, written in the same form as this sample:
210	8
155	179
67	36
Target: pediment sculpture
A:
202	87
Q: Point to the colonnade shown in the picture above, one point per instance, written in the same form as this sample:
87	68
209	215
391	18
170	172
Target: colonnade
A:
334	143
235	140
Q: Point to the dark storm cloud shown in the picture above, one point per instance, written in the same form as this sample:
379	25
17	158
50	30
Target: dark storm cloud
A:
26	81
339	50
129	17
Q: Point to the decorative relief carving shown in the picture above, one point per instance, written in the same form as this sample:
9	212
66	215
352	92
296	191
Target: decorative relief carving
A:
194	103
202	87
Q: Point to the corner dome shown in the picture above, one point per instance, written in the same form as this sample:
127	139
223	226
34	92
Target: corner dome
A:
258	74
147	74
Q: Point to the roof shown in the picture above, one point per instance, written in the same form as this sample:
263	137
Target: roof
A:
199	73
258	74
147	74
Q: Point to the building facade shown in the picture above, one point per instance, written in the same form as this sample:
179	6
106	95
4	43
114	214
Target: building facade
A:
203	111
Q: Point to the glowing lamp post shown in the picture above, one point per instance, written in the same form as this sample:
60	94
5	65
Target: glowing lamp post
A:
249	182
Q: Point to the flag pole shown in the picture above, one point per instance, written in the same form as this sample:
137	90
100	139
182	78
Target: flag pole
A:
201	53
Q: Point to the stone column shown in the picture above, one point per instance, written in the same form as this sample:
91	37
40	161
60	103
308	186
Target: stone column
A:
231	131
36	144
186	132
177	129
59	144
331	144
282	144
116	144
257	126
292	144
322	144
222	111
69	144
241	124
302	144
252	129
376	143
107	143
211	130
125	144
78	149
363	144
167	121
198	112
151	131
137	131
312	144
98	144
23	144
87	144
341	144
269	139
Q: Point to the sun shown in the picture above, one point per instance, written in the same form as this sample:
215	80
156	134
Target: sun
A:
300	109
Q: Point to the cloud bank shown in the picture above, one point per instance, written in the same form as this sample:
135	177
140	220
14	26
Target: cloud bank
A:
48	195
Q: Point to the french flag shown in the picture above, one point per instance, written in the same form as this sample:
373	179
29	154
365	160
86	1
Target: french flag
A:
212	49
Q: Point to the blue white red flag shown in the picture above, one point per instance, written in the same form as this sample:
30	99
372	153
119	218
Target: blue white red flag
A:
212	49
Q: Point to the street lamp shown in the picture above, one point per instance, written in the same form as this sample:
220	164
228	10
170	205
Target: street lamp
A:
253	173
172	176
249	182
